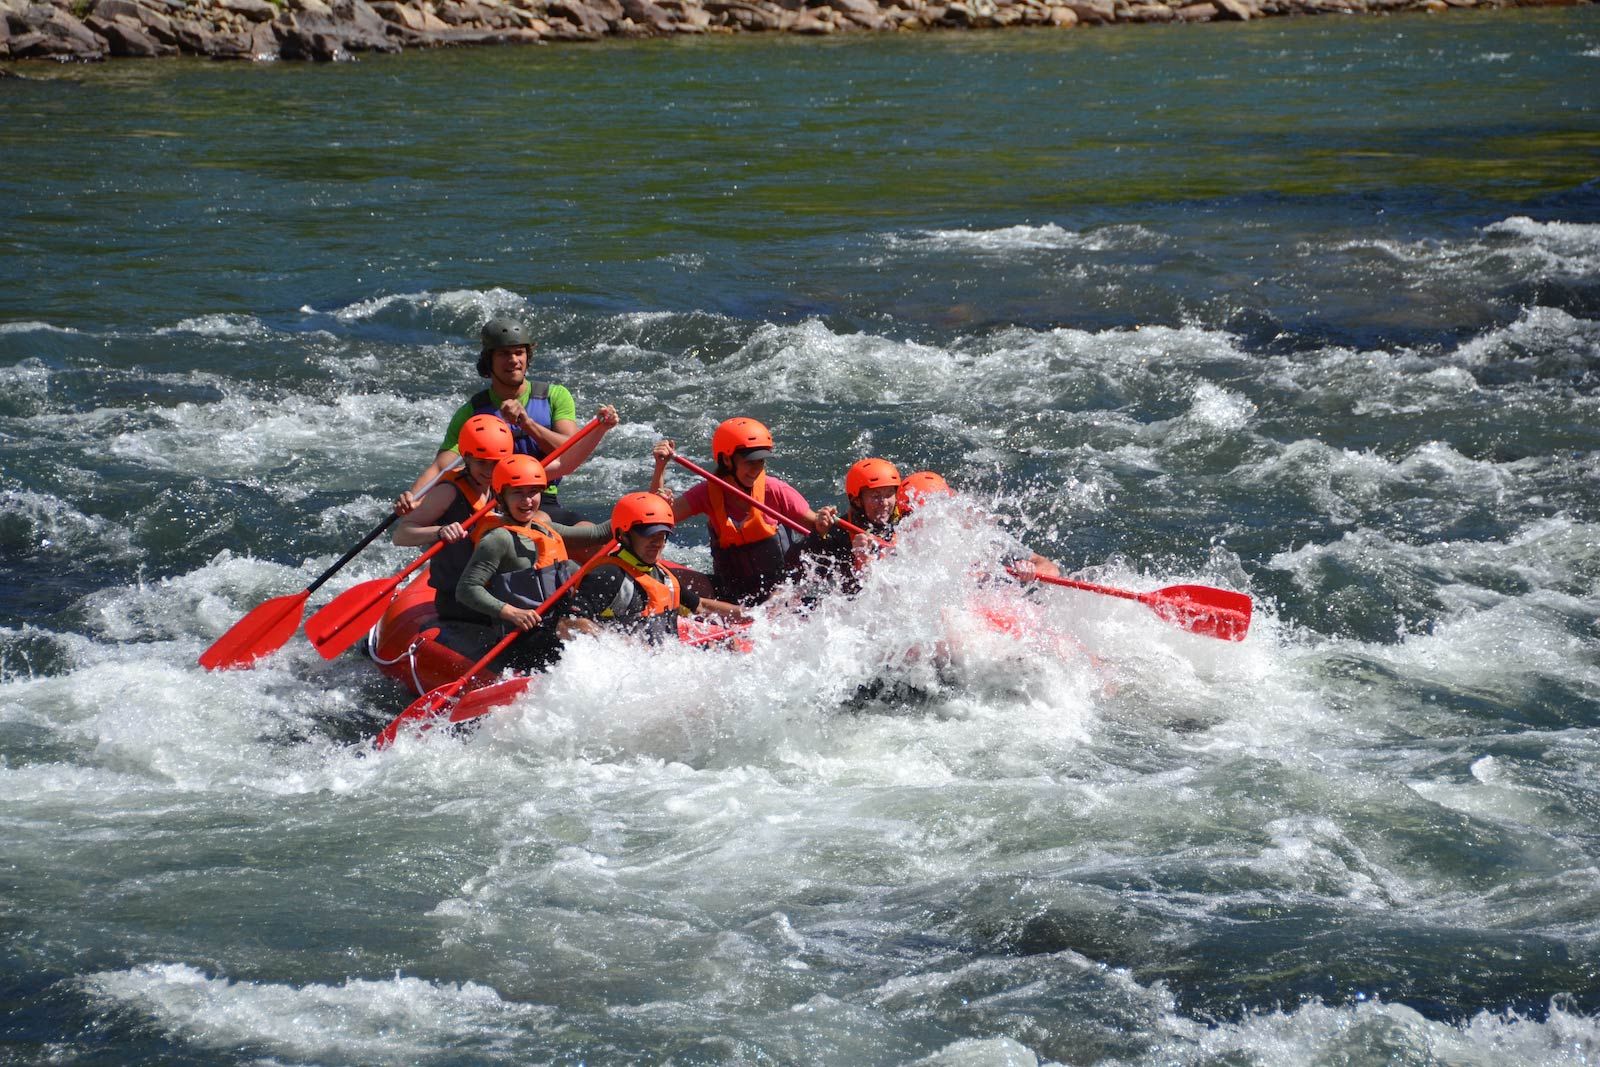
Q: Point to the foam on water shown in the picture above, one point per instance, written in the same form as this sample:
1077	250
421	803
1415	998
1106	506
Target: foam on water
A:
1027	238
399	1020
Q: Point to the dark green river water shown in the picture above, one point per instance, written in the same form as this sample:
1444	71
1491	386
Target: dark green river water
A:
1305	308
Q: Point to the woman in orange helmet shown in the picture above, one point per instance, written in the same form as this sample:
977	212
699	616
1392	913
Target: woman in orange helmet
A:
870	488
630	588
518	559
748	549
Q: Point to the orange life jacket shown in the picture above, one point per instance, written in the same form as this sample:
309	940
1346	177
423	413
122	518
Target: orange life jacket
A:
662	596
473	497
725	533
551	548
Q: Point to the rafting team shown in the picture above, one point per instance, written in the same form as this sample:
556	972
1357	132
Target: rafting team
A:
491	578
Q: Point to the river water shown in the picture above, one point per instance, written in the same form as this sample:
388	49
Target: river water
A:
1306	308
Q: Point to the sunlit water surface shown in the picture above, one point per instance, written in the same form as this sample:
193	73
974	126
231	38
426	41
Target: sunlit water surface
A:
1308	308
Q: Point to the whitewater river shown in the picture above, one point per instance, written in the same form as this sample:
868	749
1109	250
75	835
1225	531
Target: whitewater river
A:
1305	308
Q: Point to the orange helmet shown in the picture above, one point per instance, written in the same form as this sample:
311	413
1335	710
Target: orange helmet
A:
741	435
646	510
519	470
486	437
869	474
922	486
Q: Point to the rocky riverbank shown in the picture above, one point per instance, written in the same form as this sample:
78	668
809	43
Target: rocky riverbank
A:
259	30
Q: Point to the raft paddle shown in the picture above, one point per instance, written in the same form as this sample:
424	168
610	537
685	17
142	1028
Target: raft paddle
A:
1200	609
437	702
342	621
270	624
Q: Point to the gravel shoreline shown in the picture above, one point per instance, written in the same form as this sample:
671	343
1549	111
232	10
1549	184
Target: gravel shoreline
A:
328	30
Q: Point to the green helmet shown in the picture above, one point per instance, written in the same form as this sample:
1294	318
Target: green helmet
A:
500	333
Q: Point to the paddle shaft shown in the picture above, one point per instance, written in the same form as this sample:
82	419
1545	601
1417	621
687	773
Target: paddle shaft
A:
373	535
729	487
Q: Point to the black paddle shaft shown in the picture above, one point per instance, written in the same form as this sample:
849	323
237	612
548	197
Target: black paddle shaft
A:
350	555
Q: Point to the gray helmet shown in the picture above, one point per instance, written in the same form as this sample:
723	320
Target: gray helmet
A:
500	333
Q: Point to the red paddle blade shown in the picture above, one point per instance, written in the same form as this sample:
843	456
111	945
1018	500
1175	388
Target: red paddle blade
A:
484	700
265	630
436	705
1203	609
424	707
342	621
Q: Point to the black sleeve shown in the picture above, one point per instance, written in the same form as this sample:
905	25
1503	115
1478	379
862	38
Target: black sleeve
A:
688	598
596	592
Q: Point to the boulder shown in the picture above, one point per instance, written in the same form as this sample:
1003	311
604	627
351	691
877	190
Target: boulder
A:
1235	10
1201	12
1149	13
1093	12
752	17
692	18
409	17
863	13
64	35
1063	17
352	24
650	15
579	16
125	37
251	10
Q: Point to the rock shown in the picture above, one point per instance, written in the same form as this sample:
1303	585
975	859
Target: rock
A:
296	43
1235	10
863	13
352	26
1201	12
253	10
409	17
125	37
1063	17
579	16
64	35
691	16
1093	12
1149	13
651	16
752	17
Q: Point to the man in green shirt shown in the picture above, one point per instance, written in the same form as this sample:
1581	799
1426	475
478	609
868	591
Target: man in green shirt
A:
541	416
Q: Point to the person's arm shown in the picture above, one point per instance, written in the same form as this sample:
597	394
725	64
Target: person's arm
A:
472	591
408	500
787	499
573	458
664	451
722	609
693	501
1034	566
421	525
586	536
